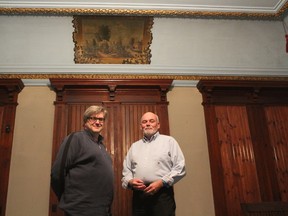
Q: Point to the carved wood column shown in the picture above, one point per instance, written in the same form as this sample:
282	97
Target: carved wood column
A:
9	90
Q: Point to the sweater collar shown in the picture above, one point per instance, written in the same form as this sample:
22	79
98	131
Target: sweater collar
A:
91	135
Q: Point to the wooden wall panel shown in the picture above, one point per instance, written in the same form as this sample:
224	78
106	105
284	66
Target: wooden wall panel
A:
238	162
247	126
277	123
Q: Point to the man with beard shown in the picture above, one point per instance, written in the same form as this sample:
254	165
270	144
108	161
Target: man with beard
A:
151	167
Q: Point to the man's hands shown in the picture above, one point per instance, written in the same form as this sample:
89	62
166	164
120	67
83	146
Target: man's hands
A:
137	184
153	188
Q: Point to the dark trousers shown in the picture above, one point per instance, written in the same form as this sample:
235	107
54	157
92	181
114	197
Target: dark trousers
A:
98	212
108	214
160	204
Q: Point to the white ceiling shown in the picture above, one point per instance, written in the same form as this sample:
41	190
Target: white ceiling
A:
223	6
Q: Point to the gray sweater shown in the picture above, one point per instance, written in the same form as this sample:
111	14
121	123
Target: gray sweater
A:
89	181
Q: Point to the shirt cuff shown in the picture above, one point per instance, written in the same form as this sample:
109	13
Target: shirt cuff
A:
165	184
126	185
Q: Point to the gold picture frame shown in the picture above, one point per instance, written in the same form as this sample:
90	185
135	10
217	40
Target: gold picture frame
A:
112	39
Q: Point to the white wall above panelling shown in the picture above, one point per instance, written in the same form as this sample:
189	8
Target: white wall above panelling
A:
28	41
192	47
36	40
219	43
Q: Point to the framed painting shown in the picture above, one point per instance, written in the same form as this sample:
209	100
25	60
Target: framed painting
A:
112	39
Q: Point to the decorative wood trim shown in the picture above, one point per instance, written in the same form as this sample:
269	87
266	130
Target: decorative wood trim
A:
141	76
146	12
243	91
12	87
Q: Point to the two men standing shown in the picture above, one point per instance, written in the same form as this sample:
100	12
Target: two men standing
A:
151	167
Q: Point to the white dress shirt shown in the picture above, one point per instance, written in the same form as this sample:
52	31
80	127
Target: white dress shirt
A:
154	159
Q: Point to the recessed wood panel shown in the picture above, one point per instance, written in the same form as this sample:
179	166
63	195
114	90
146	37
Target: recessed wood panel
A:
238	161
277	124
247	136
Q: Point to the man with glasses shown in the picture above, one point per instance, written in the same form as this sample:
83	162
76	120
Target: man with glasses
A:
152	166
89	176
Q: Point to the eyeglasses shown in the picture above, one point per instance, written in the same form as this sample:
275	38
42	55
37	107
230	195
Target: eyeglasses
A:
94	119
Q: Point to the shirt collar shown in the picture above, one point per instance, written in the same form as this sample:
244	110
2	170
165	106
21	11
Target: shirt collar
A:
153	137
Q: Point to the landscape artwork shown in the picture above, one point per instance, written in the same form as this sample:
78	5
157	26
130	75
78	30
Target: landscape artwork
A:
112	39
